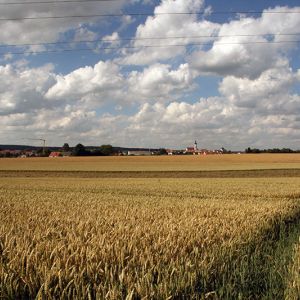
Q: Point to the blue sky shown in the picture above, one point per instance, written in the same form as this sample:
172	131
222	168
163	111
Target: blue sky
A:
226	85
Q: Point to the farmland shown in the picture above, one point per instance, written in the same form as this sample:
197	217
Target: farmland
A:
73	236
156	163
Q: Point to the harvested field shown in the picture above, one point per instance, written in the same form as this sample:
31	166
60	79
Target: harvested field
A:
156	163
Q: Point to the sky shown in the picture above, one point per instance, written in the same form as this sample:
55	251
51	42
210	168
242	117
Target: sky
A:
151	73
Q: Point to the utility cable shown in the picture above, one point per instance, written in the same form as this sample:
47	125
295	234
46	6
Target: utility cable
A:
149	38
145	14
54	2
147	46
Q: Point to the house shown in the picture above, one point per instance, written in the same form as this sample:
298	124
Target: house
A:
169	151
189	150
55	154
5	153
195	151
29	153
10	153
139	153
66	153
192	150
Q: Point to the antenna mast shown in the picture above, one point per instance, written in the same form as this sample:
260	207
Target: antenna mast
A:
44	143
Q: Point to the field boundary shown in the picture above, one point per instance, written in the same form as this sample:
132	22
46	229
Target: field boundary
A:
155	174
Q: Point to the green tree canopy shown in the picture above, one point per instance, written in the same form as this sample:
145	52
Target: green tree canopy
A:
106	149
66	147
79	150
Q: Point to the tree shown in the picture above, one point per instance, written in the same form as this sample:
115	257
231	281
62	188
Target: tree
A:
162	151
66	147
43	152
79	150
106	150
248	150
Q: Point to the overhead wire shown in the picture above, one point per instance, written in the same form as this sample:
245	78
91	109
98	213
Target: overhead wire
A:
136	39
54	2
146	46
148	38
144	14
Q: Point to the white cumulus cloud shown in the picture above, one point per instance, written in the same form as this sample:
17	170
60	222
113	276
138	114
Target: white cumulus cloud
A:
243	48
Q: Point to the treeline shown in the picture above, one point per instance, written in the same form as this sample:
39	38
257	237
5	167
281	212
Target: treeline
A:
274	150
81	150
105	150
65	150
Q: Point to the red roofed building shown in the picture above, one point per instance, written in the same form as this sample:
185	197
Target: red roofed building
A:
55	154
192	150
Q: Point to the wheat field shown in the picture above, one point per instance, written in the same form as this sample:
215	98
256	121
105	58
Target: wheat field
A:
74	238
155	163
293	278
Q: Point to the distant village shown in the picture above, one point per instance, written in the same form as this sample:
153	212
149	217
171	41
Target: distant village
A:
104	150
108	150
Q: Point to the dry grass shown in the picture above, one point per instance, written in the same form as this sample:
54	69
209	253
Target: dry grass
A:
156	163
141	238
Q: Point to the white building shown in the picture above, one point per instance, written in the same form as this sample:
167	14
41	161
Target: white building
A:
139	153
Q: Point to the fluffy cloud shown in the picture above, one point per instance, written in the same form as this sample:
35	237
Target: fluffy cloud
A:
272	84
97	84
56	125
178	123
23	90
248	111
44	101
239	47
104	83
258	104
214	123
261	112
36	31
237	51
268	98
159	81
168	26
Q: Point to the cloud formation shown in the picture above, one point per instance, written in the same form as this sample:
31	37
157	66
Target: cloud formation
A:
167	27
153	97
243	48
33	31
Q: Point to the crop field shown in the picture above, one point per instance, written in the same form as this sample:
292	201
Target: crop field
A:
156	163
149	238
182	227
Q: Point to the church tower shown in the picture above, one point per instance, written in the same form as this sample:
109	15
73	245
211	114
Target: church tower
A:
195	146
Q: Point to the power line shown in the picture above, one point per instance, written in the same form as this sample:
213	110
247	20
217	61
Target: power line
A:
147	46
150	38
54	2
146	14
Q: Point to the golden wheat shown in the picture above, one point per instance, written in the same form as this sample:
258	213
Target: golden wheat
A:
156	163
140	238
293	279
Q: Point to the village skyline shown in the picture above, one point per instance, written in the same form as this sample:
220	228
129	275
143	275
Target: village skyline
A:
106	150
